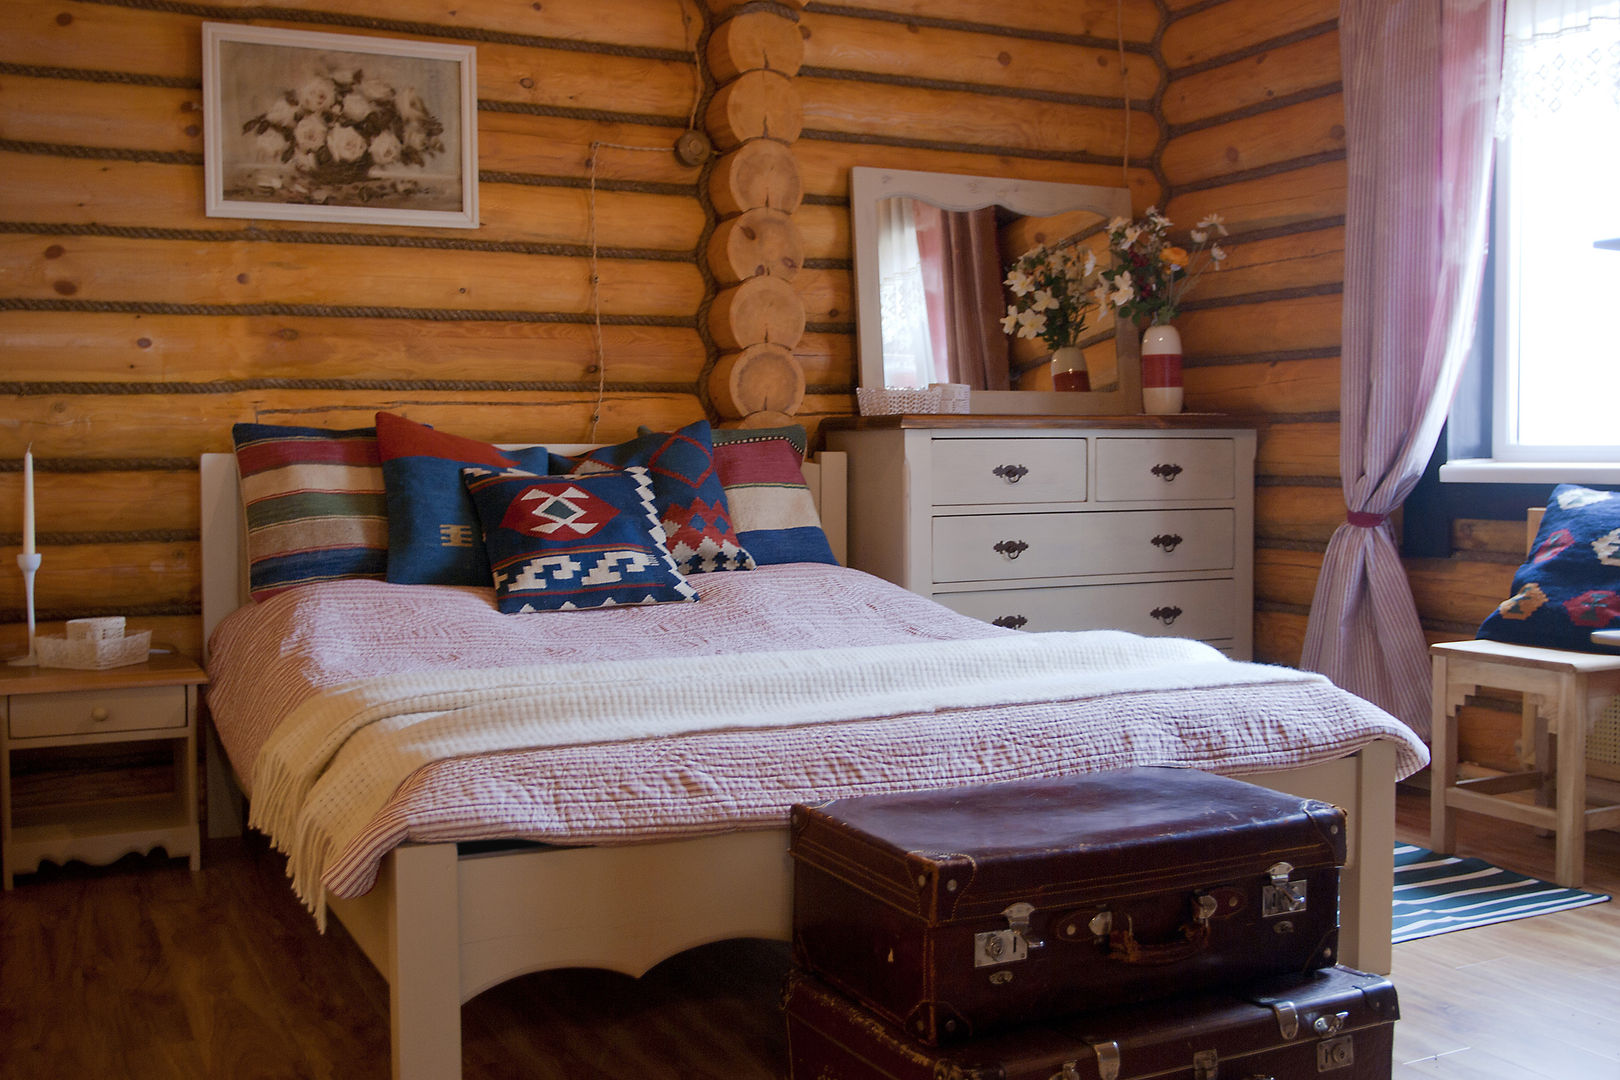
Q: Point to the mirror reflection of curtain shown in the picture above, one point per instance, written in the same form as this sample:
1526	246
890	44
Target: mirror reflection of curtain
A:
908	347
962	283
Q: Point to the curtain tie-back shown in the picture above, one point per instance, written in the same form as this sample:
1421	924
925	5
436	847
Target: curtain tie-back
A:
1365	521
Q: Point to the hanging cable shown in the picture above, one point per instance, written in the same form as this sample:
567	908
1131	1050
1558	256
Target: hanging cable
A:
1125	91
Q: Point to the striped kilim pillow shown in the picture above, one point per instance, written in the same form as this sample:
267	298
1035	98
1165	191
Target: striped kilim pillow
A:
771	506
315	505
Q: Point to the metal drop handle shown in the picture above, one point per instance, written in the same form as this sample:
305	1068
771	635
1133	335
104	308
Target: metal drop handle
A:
1010	548
1166	615
1010	622
1168	541
1010	473
1166	471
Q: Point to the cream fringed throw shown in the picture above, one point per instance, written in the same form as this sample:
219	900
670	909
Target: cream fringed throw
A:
336	759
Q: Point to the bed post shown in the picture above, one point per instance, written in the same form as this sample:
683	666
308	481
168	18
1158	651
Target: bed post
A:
424	962
1366	903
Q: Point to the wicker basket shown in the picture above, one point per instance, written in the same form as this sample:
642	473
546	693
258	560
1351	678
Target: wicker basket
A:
889	400
93	654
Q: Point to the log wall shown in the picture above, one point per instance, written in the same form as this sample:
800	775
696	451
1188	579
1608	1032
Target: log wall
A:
134	330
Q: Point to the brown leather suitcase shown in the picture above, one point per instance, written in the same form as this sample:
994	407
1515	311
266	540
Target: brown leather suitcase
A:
1330	1024
954	912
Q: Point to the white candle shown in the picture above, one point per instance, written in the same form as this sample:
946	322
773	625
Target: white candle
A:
28	500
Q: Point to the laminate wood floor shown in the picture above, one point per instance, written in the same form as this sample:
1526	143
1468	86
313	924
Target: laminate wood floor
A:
145	971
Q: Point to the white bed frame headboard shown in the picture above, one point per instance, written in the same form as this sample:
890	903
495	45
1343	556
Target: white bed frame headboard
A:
224	541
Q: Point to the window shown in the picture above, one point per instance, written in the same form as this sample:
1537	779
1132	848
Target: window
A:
1553	349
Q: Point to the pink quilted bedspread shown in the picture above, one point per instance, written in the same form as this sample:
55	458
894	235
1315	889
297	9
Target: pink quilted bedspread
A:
267	658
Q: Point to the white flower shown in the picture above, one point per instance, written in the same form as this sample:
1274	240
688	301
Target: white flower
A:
344	75
269	145
1099	294
304	162
1199	235
1131	233
346	144
1091	264
385	149
1217	253
317	95
410	106
357	107
376	89
415	137
1118	223
310	134
1031	324
282	113
1010	323
1044	301
1019	281
1124	291
1213	221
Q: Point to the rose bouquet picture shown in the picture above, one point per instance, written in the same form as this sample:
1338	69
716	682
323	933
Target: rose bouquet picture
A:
340	128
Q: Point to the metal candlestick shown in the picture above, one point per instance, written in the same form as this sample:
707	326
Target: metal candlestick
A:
29	565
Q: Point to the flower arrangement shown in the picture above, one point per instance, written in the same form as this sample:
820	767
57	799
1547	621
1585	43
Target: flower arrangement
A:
1053	289
342	128
1150	276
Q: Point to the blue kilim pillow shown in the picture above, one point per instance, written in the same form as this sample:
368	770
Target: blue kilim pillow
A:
1570	585
559	543
687	491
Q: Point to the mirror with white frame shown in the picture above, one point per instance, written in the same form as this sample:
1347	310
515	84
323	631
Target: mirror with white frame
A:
1026	213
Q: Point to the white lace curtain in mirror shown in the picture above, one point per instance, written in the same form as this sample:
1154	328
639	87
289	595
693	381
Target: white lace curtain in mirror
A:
940	296
1560	55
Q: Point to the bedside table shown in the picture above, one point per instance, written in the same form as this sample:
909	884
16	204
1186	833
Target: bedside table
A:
55	707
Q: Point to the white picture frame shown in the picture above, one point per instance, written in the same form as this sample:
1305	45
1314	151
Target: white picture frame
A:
306	126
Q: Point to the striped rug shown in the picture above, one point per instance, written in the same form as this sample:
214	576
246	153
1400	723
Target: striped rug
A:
1436	894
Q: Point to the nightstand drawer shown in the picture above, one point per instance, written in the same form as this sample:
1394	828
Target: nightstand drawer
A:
1010	547
1165	470
90	712
968	472
1194	609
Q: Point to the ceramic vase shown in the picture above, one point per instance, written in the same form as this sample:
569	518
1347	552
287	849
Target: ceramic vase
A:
1069	369
1161	370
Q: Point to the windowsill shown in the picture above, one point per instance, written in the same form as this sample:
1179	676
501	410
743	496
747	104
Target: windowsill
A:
1488	471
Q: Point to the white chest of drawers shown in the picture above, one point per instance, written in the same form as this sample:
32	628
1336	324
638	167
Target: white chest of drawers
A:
1060	524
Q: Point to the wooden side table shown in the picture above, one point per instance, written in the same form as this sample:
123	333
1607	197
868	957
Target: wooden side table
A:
56	707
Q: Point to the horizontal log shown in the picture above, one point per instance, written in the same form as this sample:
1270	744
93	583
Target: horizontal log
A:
68	346
1298	449
760	172
757	242
1271	386
1294	261
145	500
1284	134
1089	18
1291	197
147	195
754	40
824	164
184	426
76	577
1298	67
105	115
905	50
1237	24
115	38
1306	322
565	147
955	118
1458	590
1490	537
827	359
1300	514
825	231
104	269
755	105
828	295
1023	234
180	632
1279	637
1286	576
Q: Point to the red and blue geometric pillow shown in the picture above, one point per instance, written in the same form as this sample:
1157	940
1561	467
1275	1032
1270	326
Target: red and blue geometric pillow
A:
314	503
1570	584
688	495
562	543
433	536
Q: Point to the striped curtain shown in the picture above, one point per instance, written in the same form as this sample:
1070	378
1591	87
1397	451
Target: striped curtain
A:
1420	88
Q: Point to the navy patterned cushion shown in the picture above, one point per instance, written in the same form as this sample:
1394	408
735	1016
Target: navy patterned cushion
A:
560	543
1570	585
687	491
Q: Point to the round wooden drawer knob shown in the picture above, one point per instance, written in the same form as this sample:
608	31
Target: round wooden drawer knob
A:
99	713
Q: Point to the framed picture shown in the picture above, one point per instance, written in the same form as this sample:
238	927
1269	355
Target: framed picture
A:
331	127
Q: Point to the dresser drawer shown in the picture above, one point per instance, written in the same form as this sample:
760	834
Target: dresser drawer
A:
1194	609
1010	547
972	471
1165	470
90	712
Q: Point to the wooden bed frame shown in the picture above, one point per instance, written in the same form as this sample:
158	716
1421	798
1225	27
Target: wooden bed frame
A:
442	926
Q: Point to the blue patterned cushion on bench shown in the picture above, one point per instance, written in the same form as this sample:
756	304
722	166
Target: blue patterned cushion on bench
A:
1570	584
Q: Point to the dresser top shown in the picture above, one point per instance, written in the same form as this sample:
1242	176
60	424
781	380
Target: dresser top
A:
970	421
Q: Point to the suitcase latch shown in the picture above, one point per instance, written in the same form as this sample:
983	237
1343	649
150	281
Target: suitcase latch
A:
1337	1053
1287	1019
1107	1063
1282	897
1005	946
1206	1065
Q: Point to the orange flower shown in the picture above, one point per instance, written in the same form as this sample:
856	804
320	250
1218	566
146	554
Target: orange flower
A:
1176	257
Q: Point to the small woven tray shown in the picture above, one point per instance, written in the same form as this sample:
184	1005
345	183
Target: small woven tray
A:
890	400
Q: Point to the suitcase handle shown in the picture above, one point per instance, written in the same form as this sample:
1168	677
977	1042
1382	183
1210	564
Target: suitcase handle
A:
1190	939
